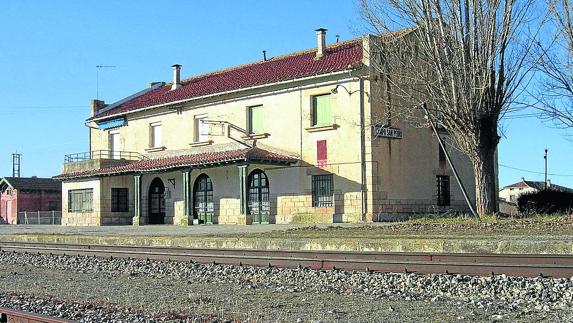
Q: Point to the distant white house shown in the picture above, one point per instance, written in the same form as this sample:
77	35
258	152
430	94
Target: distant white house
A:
511	193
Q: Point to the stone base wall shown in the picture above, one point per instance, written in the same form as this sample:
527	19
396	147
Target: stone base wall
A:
299	209
81	219
402	209
117	218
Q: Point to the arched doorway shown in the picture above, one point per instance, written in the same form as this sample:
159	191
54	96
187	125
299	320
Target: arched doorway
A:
156	202
258	199
203	208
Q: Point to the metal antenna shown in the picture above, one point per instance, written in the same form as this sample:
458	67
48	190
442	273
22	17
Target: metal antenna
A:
16	164
98	67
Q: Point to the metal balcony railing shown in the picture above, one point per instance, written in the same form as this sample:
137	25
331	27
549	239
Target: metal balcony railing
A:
103	154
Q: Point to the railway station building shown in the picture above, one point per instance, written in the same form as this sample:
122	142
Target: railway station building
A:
287	139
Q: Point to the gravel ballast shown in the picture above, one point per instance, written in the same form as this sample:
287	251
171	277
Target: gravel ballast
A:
95	289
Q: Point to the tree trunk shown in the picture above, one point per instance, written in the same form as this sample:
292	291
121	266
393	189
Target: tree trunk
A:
485	181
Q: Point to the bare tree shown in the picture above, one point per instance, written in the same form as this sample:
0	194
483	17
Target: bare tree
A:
466	59
556	65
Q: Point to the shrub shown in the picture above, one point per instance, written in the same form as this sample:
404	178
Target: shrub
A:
545	202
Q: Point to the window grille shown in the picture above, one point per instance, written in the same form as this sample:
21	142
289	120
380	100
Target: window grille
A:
119	200
322	191
443	183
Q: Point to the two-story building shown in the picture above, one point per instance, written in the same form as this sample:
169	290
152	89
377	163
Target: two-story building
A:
294	138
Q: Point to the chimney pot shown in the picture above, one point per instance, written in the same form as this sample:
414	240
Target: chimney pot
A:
176	77
321	41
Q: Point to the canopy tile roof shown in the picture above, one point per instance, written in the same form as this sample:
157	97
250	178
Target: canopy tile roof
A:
204	159
339	57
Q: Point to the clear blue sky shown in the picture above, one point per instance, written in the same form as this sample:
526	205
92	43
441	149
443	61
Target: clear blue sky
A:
49	50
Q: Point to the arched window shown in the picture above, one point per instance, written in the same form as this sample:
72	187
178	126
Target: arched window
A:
258	200
203	209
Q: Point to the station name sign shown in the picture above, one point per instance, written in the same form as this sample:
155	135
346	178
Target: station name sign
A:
387	132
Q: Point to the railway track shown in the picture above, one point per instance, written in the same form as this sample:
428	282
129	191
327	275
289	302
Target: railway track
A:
527	265
14	316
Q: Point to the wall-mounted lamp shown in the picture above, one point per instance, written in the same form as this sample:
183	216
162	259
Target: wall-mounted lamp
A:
335	89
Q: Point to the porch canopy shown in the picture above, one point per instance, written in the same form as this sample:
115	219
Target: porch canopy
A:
185	161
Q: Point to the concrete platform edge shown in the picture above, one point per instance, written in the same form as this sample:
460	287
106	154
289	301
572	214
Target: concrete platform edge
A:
386	244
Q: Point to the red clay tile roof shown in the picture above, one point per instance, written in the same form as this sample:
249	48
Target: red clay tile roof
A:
298	65
202	159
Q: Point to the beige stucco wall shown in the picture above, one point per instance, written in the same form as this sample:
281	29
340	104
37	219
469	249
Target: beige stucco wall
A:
82	218
401	173
287	113
107	216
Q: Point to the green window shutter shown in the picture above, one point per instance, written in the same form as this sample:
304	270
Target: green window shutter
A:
322	110
256	120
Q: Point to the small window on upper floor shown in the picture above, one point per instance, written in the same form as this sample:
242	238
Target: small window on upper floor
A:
201	129
321	110
442	156
114	145
155	135
255	120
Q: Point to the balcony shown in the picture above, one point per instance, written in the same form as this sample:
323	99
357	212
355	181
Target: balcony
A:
98	159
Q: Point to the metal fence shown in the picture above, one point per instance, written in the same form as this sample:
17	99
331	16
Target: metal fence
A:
103	154
40	217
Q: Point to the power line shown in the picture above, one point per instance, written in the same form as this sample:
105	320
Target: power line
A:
43	107
534	172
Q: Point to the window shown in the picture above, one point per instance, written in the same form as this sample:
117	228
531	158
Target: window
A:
255	117
114	145
156	135
201	129
80	200
322	191
321	110
443	183
119	200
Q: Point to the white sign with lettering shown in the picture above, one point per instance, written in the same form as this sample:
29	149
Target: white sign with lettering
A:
386	132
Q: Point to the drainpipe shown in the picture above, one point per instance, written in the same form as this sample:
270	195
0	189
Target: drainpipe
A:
362	154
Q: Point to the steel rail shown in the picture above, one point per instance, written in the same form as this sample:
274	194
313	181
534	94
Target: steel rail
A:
14	316
529	265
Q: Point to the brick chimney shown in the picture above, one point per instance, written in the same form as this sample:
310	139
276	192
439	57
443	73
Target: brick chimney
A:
321	43
176	77
97	105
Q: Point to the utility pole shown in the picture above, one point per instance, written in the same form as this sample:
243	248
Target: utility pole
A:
545	157
16	164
